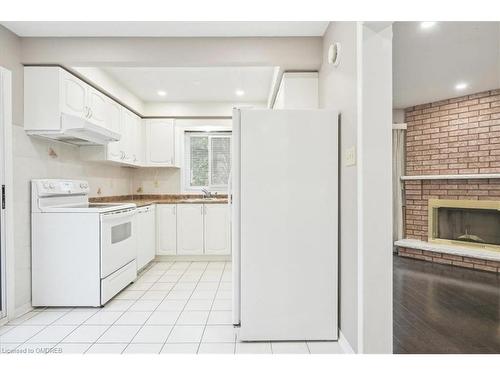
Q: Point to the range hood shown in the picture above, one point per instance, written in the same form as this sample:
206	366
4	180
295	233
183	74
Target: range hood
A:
77	131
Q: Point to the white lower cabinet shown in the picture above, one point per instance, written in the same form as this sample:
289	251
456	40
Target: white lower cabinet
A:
146	235
166	216
216	229
193	229
189	229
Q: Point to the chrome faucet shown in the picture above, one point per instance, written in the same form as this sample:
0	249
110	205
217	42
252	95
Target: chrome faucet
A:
206	193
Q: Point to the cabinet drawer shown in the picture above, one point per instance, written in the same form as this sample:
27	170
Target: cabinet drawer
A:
118	280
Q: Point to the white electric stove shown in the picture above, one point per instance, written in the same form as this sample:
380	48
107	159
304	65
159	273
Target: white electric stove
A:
83	253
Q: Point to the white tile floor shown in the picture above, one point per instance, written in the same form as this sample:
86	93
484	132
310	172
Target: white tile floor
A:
173	307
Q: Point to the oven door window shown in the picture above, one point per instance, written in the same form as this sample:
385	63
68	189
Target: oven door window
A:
121	232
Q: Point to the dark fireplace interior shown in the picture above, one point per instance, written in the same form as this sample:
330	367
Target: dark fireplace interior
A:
480	226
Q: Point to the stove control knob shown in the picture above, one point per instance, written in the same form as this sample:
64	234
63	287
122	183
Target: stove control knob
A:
83	185
52	186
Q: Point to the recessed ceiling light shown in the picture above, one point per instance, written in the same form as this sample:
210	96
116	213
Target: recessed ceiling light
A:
461	86
427	24
161	93
239	92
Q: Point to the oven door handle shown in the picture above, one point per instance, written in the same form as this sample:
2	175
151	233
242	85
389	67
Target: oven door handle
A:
118	215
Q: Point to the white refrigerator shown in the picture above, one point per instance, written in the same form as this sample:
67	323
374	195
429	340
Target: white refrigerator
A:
284	219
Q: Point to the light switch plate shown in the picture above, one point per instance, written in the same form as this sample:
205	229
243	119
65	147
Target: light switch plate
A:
350	156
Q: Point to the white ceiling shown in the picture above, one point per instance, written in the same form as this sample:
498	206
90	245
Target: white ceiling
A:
206	84
167	29
428	63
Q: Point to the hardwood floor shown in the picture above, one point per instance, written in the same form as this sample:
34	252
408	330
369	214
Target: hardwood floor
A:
445	309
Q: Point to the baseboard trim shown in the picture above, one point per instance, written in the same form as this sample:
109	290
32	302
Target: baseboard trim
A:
22	310
3	321
193	258
344	344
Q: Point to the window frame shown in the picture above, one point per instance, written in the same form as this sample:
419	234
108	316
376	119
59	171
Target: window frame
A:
188	134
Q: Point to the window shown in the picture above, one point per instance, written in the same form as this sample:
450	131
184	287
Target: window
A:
208	160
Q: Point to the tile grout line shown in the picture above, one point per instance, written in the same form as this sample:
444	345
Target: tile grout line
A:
83	323
156	308
43	329
210	311
179	280
187	300
111	325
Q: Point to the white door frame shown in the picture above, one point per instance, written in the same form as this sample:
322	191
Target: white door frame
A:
6	223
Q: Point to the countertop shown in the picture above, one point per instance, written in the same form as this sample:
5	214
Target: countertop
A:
148	199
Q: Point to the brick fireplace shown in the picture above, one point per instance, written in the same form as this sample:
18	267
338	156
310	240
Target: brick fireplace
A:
452	153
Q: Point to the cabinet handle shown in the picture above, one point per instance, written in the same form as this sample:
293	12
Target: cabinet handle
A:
171	161
174	210
90	112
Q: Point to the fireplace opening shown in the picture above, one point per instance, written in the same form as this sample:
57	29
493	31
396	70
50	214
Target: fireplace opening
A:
469	223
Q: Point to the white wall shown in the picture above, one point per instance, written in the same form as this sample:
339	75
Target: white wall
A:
361	89
10	57
398	116
375	188
31	160
302	53
203	109
337	89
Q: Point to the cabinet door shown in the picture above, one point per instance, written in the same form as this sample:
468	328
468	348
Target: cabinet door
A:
217	239
137	141
73	95
160	142
127	136
145	236
98	104
115	123
189	229
166	229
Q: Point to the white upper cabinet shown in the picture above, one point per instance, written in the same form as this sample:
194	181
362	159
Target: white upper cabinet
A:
129	150
55	100
298	90
113	114
127	126
51	92
217	237
189	229
74	95
132	134
81	100
98	107
160	150
114	151
166	215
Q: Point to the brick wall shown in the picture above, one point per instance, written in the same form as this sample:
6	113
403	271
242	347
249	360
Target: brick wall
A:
419	192
455	260
454	136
